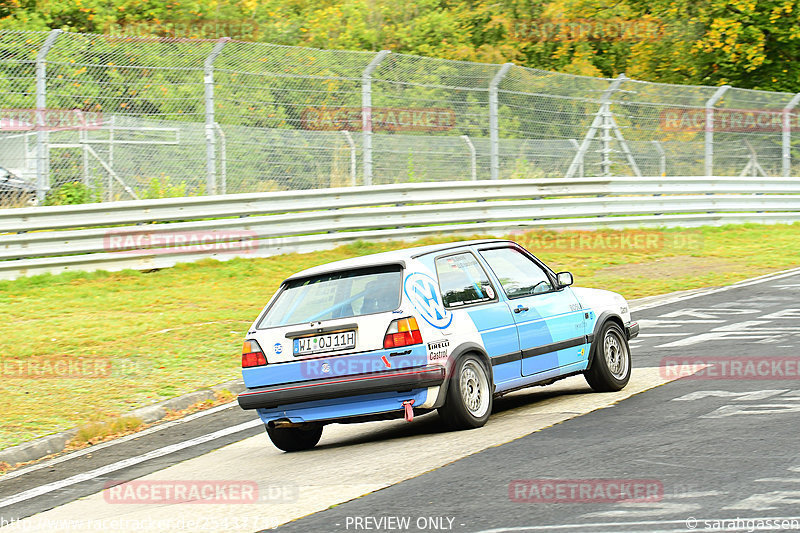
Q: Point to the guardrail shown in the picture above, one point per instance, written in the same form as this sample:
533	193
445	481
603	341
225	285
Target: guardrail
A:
144	234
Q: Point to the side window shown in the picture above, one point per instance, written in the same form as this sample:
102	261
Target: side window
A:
518	275
462	280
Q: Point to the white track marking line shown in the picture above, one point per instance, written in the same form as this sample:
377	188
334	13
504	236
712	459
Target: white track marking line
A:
743	283
79	453
125	463
358	460
646	335
126	438
44	489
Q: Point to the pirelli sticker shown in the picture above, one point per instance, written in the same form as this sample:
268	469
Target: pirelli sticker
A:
438	349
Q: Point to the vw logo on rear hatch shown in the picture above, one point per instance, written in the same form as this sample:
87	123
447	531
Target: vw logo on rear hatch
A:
423	291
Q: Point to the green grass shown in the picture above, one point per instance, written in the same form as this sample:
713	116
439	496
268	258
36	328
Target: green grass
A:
94	431
175	330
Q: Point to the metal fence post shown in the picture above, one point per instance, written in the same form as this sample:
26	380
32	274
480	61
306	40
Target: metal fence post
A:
352	146
709	158
223	159
662	158
208	81
786	140
110	182
366	113
473	156
605	162
83	137
42	137
494	128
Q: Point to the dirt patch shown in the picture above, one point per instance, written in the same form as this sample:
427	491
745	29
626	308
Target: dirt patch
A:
671	267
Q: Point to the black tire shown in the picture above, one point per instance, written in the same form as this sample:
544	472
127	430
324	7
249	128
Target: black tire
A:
611	361
469	395
295	439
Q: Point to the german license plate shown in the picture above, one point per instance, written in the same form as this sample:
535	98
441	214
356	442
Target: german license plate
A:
330	342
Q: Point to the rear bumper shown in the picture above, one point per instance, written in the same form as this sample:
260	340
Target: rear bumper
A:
341	387
632	330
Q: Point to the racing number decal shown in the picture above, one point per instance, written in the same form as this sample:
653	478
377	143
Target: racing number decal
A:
423	292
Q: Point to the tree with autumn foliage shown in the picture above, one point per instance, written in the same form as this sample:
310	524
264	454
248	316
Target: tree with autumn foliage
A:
745	43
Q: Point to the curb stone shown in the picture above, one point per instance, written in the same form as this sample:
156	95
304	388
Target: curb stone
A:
44	446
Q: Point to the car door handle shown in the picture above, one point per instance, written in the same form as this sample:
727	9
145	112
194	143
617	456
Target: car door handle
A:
520	309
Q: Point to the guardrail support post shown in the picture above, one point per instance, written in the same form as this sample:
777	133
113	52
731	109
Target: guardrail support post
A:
709	157
786	140
473	156
208	82
366	113
494	128
42	136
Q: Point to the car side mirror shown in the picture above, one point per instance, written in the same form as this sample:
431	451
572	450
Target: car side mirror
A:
564	279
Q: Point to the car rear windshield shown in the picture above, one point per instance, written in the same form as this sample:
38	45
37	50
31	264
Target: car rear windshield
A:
336	295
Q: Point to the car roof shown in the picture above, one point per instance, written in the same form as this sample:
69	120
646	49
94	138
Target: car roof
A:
387	258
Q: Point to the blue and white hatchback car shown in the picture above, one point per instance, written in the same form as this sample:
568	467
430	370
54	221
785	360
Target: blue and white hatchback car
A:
444	327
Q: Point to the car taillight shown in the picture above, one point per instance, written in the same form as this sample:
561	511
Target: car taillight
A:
252	355
402	332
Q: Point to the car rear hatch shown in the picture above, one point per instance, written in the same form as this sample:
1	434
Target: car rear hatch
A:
335	324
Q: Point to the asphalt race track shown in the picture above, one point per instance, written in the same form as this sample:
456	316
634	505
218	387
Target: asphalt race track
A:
715	451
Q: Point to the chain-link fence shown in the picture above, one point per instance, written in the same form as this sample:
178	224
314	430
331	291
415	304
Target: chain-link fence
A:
134	117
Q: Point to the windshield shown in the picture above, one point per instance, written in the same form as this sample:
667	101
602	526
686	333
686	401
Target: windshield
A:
336	295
